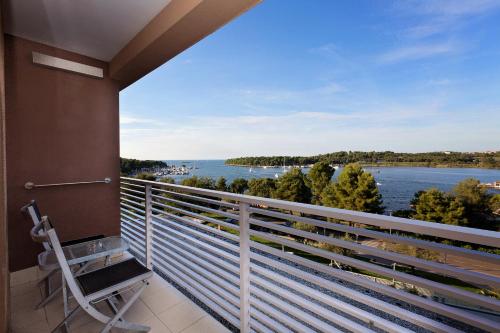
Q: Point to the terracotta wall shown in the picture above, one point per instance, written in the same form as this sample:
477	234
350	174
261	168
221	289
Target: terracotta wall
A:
61	127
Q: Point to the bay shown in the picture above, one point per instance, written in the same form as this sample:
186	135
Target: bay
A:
396	184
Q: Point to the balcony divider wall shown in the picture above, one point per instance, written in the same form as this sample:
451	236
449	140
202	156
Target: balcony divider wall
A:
61	127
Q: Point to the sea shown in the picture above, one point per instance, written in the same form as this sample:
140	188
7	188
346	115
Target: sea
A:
396	184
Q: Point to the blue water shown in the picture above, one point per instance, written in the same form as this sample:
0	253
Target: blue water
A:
396	184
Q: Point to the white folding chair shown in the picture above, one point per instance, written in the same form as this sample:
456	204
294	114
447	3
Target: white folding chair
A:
102	285
32	211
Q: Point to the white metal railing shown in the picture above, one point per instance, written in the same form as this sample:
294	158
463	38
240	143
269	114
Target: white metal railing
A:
245	259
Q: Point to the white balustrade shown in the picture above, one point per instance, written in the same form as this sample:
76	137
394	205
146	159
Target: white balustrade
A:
241	256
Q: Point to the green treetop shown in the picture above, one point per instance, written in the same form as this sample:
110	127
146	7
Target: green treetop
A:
354	189
471	195
494	204
146	176
261	187
436	206
319	177
167	180
292	186
200	182
221	184
239	185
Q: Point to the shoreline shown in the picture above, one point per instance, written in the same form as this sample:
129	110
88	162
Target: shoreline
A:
382	165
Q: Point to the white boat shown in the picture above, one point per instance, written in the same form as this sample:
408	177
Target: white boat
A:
276	175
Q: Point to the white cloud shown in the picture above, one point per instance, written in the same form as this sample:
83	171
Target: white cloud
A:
421	127
440	82
441	16
455	7
416	52
127	120
328	50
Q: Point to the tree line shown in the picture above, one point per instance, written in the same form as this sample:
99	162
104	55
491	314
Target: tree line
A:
460	159
354	189
129	166
468	204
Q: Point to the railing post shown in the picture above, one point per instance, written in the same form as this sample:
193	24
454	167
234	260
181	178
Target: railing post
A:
148	226
244	269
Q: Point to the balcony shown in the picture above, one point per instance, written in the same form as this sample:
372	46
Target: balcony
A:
249	262
222	261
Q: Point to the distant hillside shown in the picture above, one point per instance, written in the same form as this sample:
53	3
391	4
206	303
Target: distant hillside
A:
129	165
385	158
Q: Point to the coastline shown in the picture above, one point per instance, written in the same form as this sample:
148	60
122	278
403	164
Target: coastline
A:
385	165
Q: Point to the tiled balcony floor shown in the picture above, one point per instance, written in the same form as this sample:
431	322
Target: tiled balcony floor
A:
161	306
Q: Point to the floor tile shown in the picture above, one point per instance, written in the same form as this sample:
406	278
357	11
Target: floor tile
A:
23	276
170	297
206	325
154	323
27	318
22	289
27	300
181	316
38	327
138	312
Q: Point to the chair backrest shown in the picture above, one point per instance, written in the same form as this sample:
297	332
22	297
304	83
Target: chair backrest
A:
61	259
32	211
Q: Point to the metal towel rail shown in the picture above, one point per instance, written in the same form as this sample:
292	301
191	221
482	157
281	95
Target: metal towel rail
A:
31	185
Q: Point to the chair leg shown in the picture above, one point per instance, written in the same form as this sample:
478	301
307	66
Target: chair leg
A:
49	298
63	325
49	293
121	312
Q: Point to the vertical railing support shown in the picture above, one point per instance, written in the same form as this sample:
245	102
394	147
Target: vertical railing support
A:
149	227
244	269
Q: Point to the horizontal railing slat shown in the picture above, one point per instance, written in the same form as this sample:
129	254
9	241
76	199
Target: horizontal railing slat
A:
465	275
452	292
397	239
197	198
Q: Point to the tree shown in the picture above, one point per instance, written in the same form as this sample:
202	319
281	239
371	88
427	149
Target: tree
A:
146	176
319	177
476	201
200	182
221	184
191	181
436	206
239	185
292	187
261	187
488	161
495	204
354	189
167	180
471	195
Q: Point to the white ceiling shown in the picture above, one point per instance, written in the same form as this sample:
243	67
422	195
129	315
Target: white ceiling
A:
95	28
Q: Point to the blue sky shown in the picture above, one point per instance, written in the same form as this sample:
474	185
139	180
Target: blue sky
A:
305	77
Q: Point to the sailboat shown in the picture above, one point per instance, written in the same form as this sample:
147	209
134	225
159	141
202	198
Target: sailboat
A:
284	165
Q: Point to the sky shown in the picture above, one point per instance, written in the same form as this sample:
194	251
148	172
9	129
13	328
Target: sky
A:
305	77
